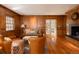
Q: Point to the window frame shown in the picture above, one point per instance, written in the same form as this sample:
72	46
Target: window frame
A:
10	23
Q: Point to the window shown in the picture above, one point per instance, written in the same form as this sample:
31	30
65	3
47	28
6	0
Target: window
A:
9	23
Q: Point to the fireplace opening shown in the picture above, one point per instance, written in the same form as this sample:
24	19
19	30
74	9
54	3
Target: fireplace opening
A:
75	31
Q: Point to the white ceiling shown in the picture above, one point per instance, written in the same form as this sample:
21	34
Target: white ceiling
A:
40	9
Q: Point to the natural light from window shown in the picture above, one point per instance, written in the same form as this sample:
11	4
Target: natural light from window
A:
9	23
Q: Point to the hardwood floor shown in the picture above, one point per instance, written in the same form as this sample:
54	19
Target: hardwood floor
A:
63	45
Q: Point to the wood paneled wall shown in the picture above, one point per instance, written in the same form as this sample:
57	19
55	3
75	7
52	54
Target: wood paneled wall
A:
39	22
69	21
32	21
6	12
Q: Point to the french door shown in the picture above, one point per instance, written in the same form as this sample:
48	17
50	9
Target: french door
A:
51	28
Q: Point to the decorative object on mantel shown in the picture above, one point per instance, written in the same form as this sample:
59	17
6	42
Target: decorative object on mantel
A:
75	16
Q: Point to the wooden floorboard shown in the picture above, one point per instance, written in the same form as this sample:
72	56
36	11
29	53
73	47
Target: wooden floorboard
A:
63	46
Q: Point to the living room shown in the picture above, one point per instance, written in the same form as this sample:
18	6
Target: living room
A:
39	29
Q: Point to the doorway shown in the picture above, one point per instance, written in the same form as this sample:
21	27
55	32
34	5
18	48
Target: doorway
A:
51	28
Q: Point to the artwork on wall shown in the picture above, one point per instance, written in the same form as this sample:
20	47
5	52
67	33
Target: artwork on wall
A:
75	16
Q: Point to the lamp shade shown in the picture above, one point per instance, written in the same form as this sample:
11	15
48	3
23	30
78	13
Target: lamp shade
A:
22	26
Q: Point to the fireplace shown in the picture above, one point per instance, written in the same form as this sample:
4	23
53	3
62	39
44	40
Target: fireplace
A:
75	31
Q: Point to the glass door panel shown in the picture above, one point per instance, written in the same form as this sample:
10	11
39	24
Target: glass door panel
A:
51	28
